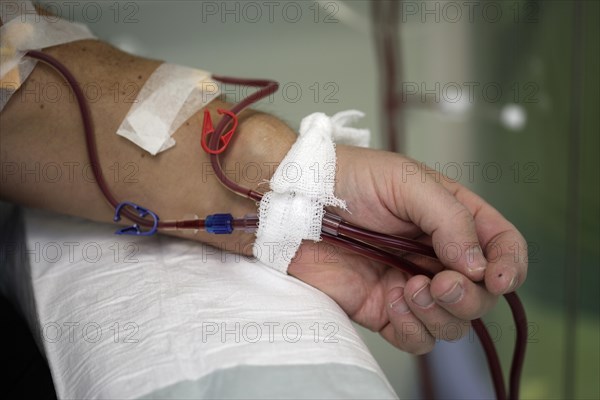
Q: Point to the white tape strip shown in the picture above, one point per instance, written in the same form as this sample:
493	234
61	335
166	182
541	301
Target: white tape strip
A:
24	29
302	186
169	97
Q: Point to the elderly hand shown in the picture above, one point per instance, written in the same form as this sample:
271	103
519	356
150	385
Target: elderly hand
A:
480	252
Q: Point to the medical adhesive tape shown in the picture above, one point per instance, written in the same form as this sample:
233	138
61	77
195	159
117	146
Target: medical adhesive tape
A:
24	29
169	97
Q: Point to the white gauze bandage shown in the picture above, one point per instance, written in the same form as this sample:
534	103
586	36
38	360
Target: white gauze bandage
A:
169	97
24	29
302	186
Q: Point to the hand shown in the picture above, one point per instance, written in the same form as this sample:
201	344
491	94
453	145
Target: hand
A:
478	248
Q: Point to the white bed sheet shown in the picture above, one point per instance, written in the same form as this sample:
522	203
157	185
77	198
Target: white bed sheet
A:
125	316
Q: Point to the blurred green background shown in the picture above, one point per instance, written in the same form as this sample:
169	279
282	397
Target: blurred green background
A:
523	134
539	140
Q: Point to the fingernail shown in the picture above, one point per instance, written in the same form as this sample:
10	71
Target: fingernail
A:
422	297
512	285
399	305
475	260
453	295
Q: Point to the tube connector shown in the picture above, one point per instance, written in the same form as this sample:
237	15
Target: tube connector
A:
219	224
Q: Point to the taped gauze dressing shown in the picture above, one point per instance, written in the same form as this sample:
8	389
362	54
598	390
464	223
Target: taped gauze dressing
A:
302	186
169	97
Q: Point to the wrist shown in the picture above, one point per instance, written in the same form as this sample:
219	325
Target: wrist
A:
258	146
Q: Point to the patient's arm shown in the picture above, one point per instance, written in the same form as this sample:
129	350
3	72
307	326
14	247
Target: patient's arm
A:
42	137
39	137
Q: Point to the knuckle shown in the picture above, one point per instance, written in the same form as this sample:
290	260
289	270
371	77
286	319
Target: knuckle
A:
461	214
475	309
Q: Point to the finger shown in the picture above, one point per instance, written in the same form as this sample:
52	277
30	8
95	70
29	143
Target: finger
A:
504	247
439	322
507	253
405	330
460	296
438	213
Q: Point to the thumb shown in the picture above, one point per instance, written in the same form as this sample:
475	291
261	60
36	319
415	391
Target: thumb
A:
437	212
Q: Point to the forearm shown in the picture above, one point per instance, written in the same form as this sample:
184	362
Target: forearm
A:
43	150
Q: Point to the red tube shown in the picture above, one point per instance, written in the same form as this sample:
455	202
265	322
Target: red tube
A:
92	149
267	87
335	230
347	236
381	239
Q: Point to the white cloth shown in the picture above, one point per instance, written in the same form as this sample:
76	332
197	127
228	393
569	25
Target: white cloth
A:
123	316
302	186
